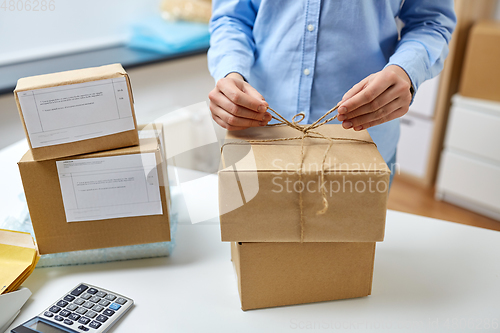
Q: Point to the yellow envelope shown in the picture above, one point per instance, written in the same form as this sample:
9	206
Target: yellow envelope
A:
18	258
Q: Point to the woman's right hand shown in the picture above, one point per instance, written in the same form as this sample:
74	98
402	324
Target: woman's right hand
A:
236	105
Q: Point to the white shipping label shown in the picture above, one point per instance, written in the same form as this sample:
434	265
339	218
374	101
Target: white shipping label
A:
75	112
110	187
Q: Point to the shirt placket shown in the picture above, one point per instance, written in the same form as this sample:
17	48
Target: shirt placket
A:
309	50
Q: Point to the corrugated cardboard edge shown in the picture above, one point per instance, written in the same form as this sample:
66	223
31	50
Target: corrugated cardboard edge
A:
74	77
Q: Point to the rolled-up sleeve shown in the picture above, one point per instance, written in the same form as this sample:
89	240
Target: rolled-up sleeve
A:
232	45
423	47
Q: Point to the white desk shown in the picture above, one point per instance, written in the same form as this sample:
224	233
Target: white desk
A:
430	276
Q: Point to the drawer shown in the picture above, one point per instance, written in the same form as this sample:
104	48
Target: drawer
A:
470	178
473	127
414	145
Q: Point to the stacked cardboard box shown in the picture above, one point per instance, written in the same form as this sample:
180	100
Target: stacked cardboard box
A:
481	70
90	181
285	247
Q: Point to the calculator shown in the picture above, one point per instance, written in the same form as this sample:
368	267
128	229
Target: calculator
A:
85	308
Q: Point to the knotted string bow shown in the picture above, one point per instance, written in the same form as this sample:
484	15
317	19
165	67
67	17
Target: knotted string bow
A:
307	131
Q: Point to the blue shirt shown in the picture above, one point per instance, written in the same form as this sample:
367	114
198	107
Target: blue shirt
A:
304	55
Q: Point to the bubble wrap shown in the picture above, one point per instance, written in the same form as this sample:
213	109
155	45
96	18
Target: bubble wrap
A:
21	221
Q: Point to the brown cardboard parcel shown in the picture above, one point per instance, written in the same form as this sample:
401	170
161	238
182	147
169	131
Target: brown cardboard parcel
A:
54	234
481	71
278	274
259	187
49	144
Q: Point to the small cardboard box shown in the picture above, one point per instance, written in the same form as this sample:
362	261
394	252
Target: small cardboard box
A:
259	187
106	199
77	112
481	71
278	274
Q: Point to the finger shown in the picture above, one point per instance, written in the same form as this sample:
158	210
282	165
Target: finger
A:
229	88
396	114
354	90
222	124
372	90
233	120
236	110
385	98
359	123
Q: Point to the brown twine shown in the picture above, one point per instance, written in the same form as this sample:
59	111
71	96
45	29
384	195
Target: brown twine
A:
308	131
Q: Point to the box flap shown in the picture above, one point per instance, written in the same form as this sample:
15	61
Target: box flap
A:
70	77
344	155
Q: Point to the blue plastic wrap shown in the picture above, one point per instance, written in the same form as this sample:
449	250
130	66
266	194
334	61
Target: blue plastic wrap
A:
158	35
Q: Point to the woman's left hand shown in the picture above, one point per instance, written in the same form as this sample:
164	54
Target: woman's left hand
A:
379	98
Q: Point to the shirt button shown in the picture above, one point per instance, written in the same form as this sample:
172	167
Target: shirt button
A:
310	27
307	71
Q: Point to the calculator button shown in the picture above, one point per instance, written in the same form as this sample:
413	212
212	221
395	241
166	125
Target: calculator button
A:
83	328
95	324
79	301
81	311
115	306
88	304
72	307
54	309
68	322
97	308
58	318
80	289
103	302
91	314
92	291
108	312
74	316
95	299
84	320
101	294
110	297
69	298
86	296
48	314
101	318
121	301
62	303
64	313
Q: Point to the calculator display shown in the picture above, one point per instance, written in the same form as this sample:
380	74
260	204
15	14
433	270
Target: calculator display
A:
40	326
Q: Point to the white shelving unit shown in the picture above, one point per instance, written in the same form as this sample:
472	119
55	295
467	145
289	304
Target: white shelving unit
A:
469	173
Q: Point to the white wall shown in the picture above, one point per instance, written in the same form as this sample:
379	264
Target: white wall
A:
72	26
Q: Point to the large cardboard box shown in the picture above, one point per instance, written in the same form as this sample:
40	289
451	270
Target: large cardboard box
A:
76	112
278	274
481	71
106	199
259	187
